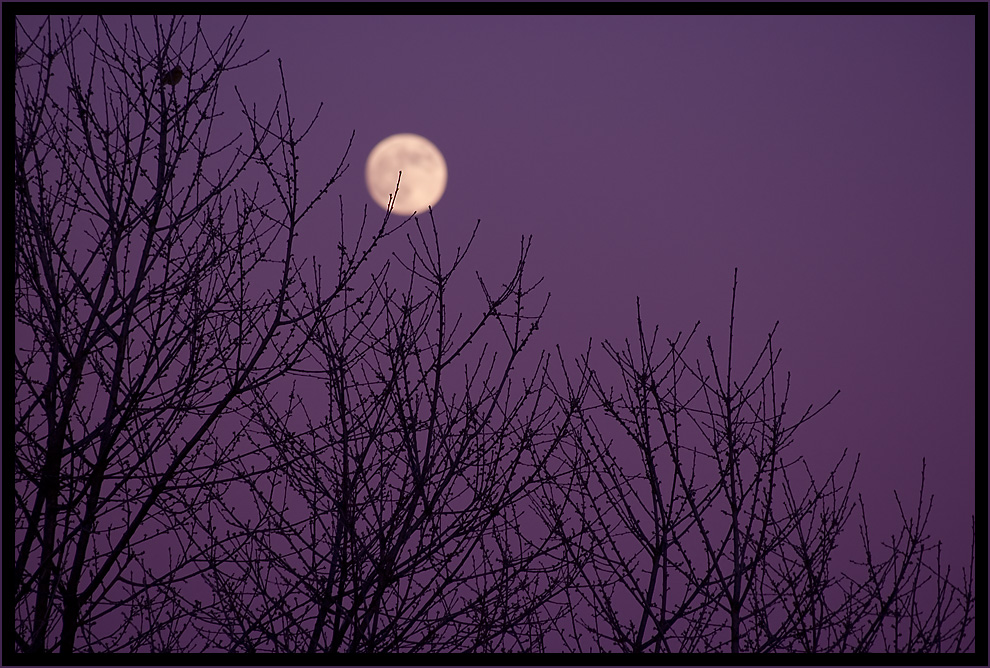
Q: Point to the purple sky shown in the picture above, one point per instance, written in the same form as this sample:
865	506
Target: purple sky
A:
831	159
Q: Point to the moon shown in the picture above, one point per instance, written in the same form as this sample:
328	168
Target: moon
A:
424	173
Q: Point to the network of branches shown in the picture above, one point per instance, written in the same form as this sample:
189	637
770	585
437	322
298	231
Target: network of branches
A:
221	444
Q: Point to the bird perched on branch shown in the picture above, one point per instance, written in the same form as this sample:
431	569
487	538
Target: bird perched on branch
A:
173	76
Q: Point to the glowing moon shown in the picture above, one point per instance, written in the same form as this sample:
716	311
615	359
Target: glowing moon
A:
424	173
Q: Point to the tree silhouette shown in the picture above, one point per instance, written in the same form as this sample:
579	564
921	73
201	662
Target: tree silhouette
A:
138	326
219	445
703	533
392	520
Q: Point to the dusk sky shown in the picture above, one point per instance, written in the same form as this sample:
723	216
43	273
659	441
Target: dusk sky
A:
830	159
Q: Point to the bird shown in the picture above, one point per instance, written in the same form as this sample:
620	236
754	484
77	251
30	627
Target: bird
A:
172	77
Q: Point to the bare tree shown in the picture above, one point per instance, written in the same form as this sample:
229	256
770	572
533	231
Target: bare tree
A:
150	364
707	534
141	247
221	446
392	519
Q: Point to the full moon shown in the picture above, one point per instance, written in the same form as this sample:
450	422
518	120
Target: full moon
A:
424	173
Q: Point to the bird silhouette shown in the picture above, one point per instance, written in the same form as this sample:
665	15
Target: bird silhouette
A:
173	76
